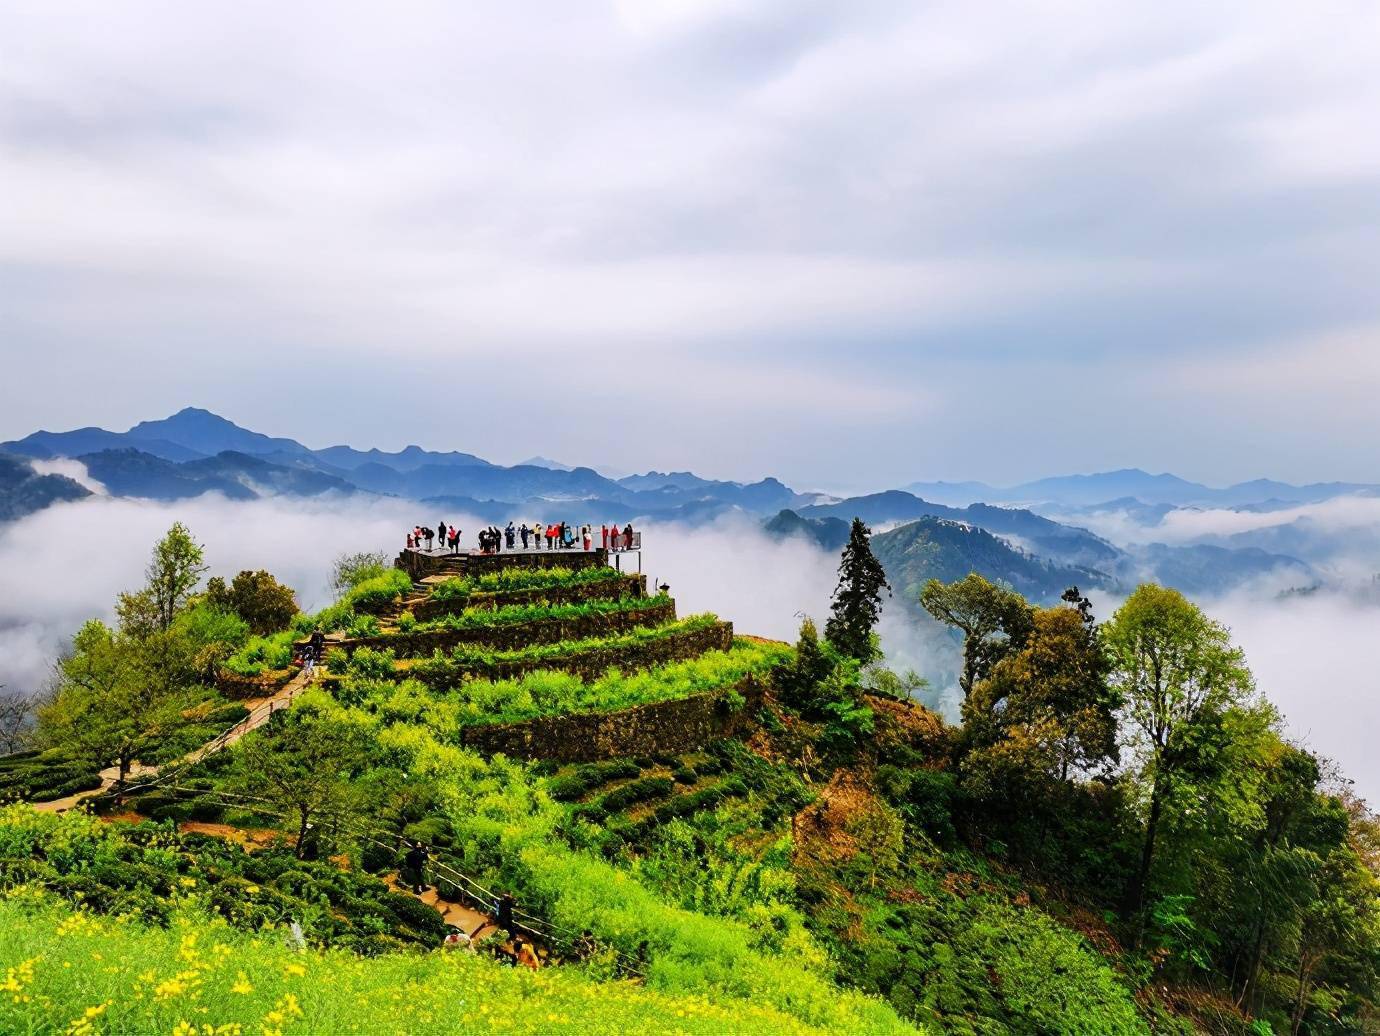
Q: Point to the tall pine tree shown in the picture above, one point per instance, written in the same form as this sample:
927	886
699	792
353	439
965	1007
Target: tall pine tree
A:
858	597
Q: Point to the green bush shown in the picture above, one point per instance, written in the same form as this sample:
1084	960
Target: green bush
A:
630	794
509	579
378	593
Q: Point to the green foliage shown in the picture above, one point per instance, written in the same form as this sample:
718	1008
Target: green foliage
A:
200	971
173	573
548	692
994	621
582	779
349	570
798	679
512	614
857	603
1175	669
42	776
257	598
467	661
151	872
378	592
509	579
262	654
107	708
305	766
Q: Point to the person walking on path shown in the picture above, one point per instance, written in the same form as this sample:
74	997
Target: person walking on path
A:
428	535
414	863
441	535
453	540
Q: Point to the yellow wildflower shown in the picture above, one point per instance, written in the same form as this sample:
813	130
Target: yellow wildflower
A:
295	969
242	984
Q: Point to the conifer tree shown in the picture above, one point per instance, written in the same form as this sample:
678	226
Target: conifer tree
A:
858	597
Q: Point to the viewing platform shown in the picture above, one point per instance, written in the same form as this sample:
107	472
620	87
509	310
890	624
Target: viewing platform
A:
421	563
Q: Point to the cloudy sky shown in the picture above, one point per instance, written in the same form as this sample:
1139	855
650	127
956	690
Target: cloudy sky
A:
851	244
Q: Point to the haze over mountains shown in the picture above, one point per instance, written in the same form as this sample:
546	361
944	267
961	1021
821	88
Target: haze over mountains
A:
1104	530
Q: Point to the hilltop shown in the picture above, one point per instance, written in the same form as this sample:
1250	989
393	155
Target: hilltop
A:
676	825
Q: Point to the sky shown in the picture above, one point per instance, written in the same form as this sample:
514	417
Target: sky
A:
851	245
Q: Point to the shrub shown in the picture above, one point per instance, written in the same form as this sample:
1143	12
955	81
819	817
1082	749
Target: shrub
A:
379	593
636	791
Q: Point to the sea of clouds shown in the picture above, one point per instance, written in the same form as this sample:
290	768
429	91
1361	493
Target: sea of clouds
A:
65	564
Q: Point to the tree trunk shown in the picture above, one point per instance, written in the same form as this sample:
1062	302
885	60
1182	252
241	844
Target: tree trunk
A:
1136	901
302	832
1301	1004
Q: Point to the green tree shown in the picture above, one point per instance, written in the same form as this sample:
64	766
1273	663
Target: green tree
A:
171	578
879	833
105	708
858	597
1050	695
256	597
798	680
304	766
349	570
1174	668
994	620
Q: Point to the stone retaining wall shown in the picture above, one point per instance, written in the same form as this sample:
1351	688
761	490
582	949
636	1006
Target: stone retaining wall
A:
514	635
602	590
234	686
592	663
672	727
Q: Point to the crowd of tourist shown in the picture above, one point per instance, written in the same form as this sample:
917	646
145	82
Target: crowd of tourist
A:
536	536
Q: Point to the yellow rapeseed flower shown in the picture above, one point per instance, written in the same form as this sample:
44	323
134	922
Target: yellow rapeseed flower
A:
242	984
295	969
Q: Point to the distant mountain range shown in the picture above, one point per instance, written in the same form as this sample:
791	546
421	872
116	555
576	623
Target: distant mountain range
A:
195	452
1141	486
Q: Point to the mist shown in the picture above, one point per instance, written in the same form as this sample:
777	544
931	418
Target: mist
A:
67	564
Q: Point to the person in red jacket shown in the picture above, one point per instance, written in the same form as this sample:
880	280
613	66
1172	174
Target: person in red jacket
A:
604	536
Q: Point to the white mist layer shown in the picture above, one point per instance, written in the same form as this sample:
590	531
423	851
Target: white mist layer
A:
67	563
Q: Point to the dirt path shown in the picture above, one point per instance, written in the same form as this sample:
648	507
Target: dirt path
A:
260	711
471	922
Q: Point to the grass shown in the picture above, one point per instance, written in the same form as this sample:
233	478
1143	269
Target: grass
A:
513	614
552	693
467	660
75	972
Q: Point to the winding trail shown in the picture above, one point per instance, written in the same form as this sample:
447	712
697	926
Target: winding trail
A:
260	711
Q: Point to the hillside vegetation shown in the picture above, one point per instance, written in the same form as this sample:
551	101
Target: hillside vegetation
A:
699	833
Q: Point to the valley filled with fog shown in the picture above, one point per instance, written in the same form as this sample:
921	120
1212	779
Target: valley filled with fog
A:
1307	646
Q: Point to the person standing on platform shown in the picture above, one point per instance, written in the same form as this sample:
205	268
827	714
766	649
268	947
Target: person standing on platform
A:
510	534
441	535
589	536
